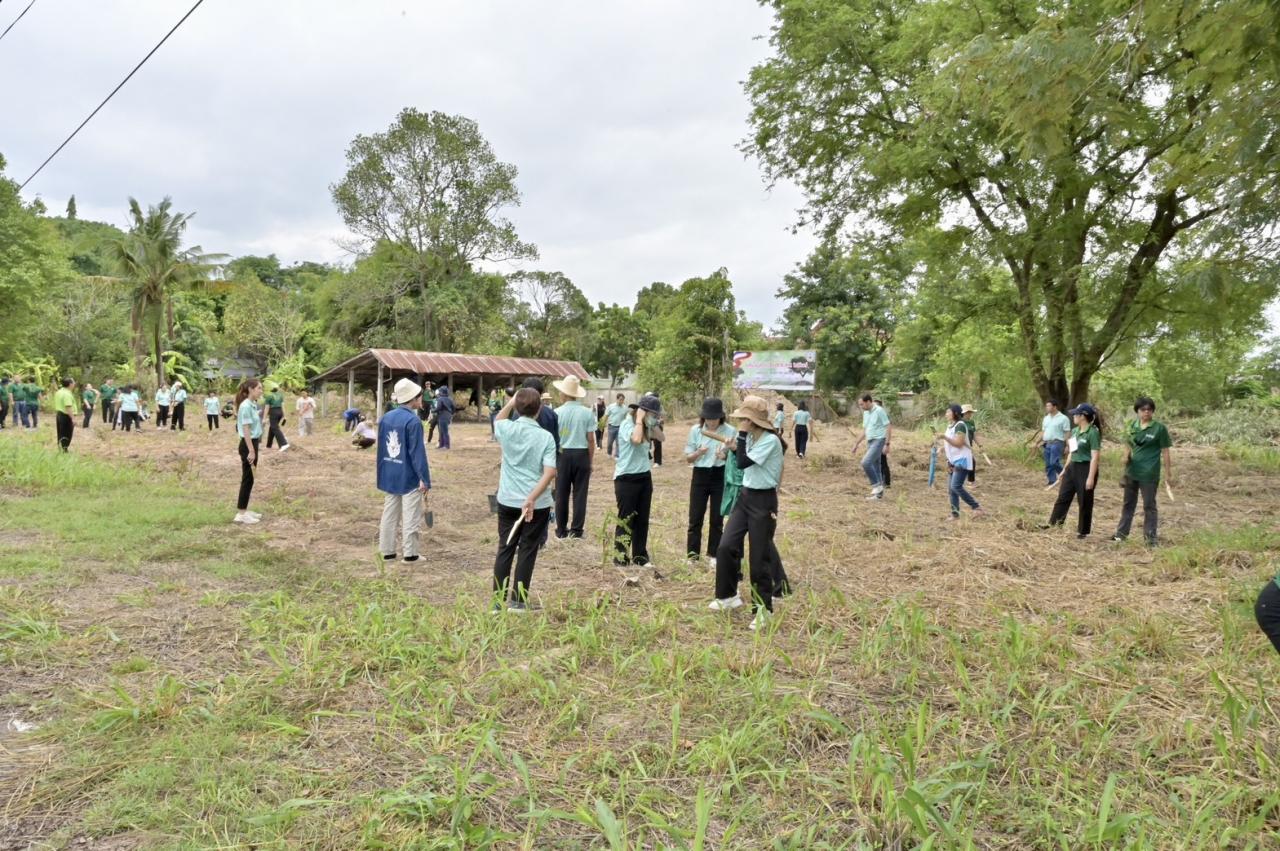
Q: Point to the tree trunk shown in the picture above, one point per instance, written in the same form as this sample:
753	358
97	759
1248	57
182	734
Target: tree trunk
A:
159	361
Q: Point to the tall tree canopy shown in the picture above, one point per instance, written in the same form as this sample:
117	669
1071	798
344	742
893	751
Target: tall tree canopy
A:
1095	150
553	319
692	336
31	261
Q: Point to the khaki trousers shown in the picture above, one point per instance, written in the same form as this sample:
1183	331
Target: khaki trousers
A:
405	511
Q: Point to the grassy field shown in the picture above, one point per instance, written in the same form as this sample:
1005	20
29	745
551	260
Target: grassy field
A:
976	685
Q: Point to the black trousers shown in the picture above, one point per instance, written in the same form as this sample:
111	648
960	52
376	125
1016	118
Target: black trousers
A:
129	419
212	420
634	495
657	452
66	428
179	419
88	416
1150	513
802	440
248	460
705	488
523	551
599	437
754	521
1072	486
4	410
573	476
885	474
108	412
162	416
1267	611
274	416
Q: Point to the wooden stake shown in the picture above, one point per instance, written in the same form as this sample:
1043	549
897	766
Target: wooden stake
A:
1168	491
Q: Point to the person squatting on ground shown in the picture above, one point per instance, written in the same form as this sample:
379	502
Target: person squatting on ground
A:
274	402
576	458
365	435
1146	442
212	407
877	432
614	416
633	482
759	453
800	424
528	468
177	407
249	428
403	474
1055	428
64	412
967	413
305	408
959	460
89	404
1078	481
444	416
162	405
706	455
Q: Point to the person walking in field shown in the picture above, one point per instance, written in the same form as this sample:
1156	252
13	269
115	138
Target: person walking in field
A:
162	405
800	424
444	417
305	408
178	409
1078	481
633	482
34	393
528	469
403	475
615	414
88	404
599	410
64	413
877	432
959	451
968	412
577	457
249	428
886	474
1055	428
495	405
130	409
706	455
759	454
274	402
1147	443
108	400
212	409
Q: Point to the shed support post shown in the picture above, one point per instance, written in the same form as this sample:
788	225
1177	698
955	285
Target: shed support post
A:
378	413
351	388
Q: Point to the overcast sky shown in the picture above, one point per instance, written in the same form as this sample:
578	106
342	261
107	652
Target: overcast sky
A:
622	118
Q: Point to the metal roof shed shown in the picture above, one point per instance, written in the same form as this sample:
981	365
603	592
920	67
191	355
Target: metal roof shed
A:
377	367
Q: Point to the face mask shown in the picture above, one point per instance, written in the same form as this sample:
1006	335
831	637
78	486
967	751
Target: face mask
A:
651	421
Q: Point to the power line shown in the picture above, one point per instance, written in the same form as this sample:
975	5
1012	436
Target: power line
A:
113	93
15	20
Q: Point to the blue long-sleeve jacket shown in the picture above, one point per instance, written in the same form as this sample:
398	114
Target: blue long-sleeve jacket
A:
402	452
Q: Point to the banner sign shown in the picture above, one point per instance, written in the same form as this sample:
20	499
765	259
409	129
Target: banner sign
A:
775	370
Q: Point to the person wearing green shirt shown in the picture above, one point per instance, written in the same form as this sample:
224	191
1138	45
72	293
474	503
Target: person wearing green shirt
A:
1146	443
6	396
108	394
1078	481
878	432
64	412
972	428
577	455
759	453
273	401
89	404
33	392
706	451
614	415
633	482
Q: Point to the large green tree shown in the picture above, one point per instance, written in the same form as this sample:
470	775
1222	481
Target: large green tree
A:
32	263
619	335
431	185
553	318
693	338
1081	146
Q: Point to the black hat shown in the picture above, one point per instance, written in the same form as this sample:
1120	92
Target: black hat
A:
712	409
649	403
1084	408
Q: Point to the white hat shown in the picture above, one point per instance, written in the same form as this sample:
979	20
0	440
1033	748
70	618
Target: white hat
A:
570	386
405	391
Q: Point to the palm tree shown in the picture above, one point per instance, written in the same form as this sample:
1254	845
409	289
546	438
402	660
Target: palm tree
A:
154	263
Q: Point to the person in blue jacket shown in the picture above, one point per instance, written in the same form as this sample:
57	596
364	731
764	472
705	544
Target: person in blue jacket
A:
444	415
403	475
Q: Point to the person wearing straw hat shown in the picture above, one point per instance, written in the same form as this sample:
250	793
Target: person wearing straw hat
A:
403	474
528	468
759	453
633	482
967	412
577	456
959	461
706	455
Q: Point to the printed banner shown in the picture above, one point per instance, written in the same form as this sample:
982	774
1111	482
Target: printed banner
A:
775	370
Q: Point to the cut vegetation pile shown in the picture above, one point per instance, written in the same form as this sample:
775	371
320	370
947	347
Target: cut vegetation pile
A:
978	684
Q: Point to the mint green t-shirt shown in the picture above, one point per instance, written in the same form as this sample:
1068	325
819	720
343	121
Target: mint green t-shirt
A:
697	440
248	415
801	418
616	414
632	457
211	406
766	472
875	423
527	449
577	425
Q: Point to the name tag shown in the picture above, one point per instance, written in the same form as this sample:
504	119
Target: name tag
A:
1073	444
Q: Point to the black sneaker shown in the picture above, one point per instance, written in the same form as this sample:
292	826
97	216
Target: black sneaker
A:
388	557
410	559
1081	536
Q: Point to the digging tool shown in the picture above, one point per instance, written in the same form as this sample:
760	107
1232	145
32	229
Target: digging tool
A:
511	536
1168	491
987	459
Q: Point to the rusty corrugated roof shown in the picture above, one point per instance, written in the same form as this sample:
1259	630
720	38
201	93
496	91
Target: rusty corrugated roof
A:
442	362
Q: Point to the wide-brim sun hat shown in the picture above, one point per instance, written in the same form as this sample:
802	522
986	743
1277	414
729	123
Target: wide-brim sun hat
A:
712	409
570	386
966	409
755	409
405	390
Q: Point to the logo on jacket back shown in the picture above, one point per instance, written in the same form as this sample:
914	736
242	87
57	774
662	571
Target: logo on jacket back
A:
393	445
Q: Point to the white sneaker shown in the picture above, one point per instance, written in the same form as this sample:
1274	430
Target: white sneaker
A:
255	515
725	605
760	621
245	517
875	496
878	490
712	562
285	448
